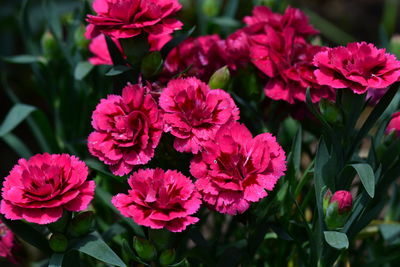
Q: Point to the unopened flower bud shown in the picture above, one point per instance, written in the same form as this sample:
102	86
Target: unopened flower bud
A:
395	45
49	45
58	242
144	248
344	200
329	111
81	224
211	7
79	37
220	78
167	257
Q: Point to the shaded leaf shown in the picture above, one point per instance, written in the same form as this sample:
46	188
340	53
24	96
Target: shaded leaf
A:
56	260
336	240
15	116
94	246
82	69
23	59
117	70
367	177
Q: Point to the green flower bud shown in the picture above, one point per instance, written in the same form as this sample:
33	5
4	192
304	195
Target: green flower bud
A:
81	224
394	45
58	242
329	111
80	39
60	224
211	7
167	257
144	249
49	45
151	64
220	78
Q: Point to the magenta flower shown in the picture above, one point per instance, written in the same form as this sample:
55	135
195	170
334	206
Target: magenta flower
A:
287	61
41	188
235	169
394	124
357	66
237	48
199	57
98	47
159	199
129	18
344	200
193	112
127	129
7	243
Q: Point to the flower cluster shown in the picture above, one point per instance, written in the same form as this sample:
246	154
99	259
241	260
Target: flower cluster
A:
7	243
41	188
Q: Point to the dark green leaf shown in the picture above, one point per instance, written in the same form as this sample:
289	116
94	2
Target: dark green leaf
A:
226	22
15	116
17	145
175	42
117	70
296	150
94	246
106	198
28	234
82	69
390	232
23	59
367	177
336	240
56	260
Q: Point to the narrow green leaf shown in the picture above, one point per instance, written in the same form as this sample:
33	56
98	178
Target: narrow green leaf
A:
226	22
82	69
336	240
390	232
27	233
23	59
17	145
296	150
106	198
15	116
328	29
175	42
367	177
117	70
56	260
94	246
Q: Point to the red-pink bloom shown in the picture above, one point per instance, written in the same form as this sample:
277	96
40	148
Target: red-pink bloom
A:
127	129
237	48
41	188
199	57
394	124
159	199
357	66
7	243
235	169
98	47
344	200
292	18
287	60
129	18
193	112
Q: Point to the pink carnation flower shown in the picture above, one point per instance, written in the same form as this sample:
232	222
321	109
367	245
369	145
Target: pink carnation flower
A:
129	18
292	18
394	124
235	169
39	189
344	200
237	48
193	112
357	66
7	243
127	129
98	47
199	57
287	60
159	199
